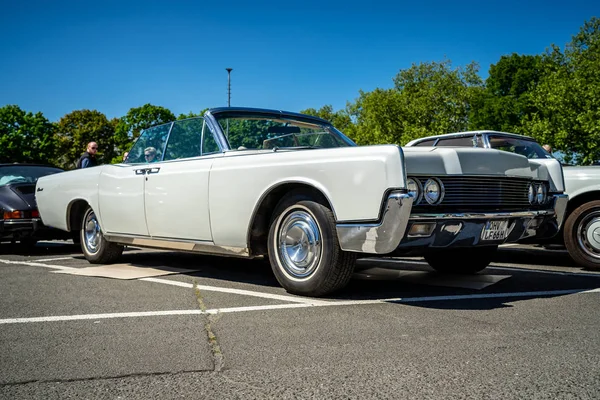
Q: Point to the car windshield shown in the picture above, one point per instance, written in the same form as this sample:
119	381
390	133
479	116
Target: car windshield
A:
527	148
251	133
24	174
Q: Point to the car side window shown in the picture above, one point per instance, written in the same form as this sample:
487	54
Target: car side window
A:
184	140
209	144
151	142
457	141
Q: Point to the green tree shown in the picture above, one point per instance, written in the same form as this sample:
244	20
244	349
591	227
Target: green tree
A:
136	119
191	114
25	137
339	119
76	129
568	97
506	101
427	99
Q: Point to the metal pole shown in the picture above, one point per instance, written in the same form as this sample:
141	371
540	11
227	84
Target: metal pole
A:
228	97
229	86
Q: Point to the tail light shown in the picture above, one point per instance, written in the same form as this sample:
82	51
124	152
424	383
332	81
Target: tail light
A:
21	214
14	214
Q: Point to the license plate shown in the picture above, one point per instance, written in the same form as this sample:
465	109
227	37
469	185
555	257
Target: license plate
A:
495	230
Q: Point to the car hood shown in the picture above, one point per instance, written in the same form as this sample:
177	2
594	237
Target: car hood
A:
20	196
470	161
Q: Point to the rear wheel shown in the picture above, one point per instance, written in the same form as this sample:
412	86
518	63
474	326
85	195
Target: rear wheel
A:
461	261
582	235
96	249
303	247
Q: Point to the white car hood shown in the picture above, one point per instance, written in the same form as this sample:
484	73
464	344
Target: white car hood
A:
470	161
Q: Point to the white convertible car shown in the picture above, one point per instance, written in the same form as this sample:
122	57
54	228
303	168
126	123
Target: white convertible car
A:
253	182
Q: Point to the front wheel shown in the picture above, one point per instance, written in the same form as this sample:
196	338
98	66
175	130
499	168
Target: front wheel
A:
582	235
304	251
461	261
96	249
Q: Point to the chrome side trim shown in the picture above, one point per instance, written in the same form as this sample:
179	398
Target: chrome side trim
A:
181	245
487	215
560	208
379	238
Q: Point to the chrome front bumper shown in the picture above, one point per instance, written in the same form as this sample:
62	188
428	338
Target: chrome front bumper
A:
450	229
381	237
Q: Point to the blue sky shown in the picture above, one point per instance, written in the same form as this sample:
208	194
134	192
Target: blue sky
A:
60	56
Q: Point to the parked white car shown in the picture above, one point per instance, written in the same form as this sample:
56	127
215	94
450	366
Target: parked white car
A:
581	230
253	182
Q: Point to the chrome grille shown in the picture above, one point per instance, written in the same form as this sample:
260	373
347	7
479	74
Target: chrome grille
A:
481	192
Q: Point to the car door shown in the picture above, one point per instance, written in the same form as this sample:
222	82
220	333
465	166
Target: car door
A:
122	186
121	200
176	189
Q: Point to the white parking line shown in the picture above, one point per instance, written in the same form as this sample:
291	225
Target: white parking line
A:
538	271
408	300
238	291
493	265
189	285
35	264
54	259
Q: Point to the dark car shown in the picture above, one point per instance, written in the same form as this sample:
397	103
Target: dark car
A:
19	217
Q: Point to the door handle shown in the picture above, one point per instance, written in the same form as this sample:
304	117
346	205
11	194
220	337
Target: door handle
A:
141	171
153	170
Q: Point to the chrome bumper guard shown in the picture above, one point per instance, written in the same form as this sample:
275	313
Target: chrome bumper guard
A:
382	237
560	208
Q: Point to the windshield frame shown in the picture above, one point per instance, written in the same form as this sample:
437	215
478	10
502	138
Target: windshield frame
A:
292	118
530	142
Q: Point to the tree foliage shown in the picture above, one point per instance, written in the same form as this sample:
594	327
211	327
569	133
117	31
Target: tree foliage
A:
339	119
427	98
506	101
76	129
568	97
25	137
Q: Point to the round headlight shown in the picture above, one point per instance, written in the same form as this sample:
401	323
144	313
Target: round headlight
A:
531	193
541	193
414	189
433	191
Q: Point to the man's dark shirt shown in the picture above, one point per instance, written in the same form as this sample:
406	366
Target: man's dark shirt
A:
86	160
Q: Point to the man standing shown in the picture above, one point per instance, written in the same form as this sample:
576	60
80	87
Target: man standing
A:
88	158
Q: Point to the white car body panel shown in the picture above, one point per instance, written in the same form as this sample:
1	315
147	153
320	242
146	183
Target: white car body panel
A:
121	200
581	180
353	179
62	190
176	199
468	161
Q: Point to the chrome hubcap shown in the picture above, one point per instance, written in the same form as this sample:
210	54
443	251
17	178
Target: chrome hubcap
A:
299	244
92	233
588	234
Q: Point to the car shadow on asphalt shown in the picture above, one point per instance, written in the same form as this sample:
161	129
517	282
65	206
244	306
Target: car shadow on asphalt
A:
230	269
558	257
40	249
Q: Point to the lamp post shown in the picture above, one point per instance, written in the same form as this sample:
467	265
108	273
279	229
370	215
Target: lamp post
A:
229	86
228	97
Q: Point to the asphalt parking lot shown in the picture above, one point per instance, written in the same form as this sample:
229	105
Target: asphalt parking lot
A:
227	330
